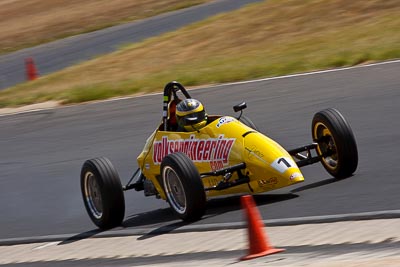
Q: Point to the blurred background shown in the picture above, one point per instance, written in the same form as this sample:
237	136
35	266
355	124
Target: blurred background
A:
61	57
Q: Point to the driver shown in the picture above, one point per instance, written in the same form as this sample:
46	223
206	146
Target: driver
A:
190	115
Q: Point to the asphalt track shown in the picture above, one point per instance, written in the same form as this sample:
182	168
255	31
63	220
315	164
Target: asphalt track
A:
42	152
60	54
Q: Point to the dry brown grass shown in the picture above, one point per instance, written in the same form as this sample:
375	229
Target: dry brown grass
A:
267	39
28	22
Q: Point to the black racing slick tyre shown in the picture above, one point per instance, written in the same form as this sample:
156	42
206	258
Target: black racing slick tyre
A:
247	121
183	187
102	193
336	143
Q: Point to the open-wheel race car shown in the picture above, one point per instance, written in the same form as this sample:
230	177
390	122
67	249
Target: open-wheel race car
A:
225	156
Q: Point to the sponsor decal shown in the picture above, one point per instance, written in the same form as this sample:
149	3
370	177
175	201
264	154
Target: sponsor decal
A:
282	164
217	165
254	151
295	175
271	182
213	150
224	120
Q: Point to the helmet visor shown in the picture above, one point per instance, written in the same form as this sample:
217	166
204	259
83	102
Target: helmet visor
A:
194	118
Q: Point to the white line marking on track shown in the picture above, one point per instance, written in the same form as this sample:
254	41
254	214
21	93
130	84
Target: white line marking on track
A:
312	73
221	85
46	245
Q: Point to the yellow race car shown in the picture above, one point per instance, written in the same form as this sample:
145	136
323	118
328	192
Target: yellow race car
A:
227	156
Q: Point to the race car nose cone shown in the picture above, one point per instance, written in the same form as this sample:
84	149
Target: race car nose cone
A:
296	177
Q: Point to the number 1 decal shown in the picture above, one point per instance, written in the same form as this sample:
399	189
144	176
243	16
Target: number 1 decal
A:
282	164
285	162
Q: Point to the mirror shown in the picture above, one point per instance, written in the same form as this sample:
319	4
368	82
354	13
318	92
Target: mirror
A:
240	106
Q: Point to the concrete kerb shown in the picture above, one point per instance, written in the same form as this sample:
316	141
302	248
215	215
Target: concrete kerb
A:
389	214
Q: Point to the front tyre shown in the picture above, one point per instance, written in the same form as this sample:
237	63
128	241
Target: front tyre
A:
183	187
102	193
336	143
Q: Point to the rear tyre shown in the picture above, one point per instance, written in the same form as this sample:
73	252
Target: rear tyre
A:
247	121
183	187
336	143
102	193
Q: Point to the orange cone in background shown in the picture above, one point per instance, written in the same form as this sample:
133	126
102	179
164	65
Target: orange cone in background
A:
258	241
31	72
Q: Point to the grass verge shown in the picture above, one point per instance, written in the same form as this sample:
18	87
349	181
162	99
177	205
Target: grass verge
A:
262	40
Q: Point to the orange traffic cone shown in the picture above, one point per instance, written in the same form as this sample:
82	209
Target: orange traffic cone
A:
258	241
31	72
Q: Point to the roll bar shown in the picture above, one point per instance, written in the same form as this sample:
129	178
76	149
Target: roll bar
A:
170	91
